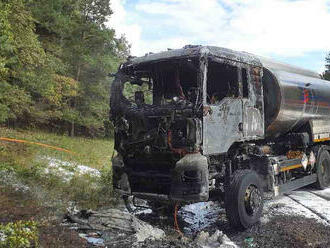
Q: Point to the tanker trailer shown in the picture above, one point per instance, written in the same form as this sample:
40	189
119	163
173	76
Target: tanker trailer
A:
205	123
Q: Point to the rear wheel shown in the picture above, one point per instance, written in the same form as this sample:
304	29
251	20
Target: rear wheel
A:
323	170
244	199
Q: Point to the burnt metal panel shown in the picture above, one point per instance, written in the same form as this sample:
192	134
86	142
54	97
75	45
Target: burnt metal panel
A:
253	124
253	116
195	51
221	126
234	119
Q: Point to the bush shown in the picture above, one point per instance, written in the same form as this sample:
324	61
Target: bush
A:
19	234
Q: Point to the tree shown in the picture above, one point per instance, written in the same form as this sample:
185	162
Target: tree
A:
21	58
87	49
326	74
55	56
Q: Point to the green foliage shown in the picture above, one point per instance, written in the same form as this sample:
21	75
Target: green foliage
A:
130	89
106	182
6	40
88	51
14	102
326	74
54	59
20	57
20	234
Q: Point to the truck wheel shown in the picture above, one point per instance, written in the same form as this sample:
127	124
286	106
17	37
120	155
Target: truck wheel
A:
323	170
244	199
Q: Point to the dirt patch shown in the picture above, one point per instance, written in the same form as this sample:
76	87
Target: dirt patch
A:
17	206
286	231
168	243
54	235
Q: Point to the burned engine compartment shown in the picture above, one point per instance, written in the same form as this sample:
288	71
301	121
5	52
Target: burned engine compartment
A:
168	119
160	126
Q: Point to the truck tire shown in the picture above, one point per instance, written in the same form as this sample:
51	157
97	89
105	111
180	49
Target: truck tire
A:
323	170
244	199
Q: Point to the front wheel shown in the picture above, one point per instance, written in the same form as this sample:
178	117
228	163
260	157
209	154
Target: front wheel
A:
244	199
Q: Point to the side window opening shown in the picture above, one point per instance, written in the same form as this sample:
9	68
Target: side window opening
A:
222	81
245	83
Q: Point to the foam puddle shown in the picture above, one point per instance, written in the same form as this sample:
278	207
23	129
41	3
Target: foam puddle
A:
67	170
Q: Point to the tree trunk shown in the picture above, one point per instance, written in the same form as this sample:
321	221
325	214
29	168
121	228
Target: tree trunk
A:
72	133
72	129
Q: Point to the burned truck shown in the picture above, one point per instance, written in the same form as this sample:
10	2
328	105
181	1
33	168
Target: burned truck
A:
207	123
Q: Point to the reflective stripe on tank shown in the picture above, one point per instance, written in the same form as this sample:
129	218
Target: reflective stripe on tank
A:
321	140
321	137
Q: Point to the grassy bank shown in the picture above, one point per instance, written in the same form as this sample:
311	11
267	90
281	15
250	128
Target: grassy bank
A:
95	153
28	164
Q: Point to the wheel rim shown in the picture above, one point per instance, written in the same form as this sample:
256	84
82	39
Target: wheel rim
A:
252	200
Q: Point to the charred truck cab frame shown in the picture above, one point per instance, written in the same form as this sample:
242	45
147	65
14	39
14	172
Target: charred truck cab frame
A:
216	124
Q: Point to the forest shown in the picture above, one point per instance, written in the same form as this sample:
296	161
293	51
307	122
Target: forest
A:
55	57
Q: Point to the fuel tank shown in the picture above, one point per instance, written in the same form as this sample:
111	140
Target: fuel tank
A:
292	97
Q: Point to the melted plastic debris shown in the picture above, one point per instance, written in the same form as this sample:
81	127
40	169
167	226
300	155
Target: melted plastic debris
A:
199	216
216	240
114	226
92	240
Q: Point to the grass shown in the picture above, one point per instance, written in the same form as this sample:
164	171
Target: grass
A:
95	153
86	191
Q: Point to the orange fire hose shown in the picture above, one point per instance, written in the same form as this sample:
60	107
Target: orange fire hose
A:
176	225
36	143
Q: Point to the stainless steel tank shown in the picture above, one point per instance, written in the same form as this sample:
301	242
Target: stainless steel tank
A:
292	96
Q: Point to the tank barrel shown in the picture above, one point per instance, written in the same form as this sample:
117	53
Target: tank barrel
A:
292	97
